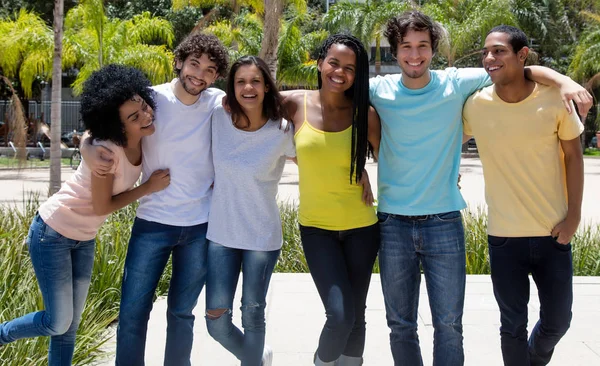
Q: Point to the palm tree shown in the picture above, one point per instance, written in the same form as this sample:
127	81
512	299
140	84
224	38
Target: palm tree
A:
242	35
547	24
27	47
585	66
295	65
98	41
271	13
90	41
365	20
586	60
55	150
467	23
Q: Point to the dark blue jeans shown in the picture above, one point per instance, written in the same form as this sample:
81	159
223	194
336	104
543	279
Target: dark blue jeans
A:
63	268
341	263
437	243
150	247
551	266
224	266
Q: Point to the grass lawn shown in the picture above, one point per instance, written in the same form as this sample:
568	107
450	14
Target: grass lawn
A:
591	152
31	163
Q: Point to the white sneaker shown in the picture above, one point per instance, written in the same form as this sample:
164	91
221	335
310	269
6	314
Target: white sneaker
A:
267	359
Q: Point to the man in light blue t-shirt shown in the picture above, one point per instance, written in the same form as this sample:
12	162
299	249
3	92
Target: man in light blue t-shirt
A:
419	199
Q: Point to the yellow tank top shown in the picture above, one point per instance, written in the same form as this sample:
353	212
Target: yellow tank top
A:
327	198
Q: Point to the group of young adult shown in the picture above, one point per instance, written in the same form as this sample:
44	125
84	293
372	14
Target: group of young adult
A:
211	167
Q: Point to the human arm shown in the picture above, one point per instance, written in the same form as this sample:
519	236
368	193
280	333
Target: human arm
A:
99	158
569	89
103	202
374	131
367	195
564	231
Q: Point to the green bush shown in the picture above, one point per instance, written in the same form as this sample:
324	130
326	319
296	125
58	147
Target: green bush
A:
19	293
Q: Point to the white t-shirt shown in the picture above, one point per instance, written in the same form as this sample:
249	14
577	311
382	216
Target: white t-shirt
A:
248	166
180	143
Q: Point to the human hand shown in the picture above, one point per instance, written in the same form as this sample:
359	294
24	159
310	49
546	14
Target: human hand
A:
564	231
159	180
225	104
572	91
458	183
367	195
98	158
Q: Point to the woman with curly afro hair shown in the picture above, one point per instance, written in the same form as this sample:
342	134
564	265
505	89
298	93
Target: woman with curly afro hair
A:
117	109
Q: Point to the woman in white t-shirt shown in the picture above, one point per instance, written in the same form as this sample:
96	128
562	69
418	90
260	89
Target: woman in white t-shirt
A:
117	109
250	146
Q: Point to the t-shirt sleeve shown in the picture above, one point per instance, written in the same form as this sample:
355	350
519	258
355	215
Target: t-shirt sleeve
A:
467	130
373	83
471	79
117	153
569	125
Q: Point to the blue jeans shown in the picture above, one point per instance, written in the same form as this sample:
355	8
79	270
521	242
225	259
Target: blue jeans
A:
223	273
551	266
150	247
435	242
341	263
63	268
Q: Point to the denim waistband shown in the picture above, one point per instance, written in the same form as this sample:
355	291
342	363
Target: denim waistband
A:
414	218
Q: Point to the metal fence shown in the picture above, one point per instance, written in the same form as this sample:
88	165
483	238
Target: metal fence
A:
70	117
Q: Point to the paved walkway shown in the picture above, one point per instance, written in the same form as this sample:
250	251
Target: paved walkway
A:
15	185
295	314
295	317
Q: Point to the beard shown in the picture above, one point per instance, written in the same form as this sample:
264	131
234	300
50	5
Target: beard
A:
190	88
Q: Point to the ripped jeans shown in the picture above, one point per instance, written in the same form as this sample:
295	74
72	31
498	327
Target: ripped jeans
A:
223	273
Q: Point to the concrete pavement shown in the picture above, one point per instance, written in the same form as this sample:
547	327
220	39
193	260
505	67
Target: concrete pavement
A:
295	317
295	314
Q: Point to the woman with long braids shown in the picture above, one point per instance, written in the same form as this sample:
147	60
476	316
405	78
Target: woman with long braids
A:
334	127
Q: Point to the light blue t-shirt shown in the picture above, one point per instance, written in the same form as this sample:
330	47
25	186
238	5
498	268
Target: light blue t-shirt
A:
421	136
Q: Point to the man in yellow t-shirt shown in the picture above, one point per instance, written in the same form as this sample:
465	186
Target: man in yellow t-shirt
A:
533	171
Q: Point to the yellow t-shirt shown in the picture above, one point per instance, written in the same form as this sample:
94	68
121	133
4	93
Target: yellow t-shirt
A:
523	164
327	198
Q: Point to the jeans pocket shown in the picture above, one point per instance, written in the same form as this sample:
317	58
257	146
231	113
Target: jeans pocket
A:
497	241
383	217
559	246
49	235
451	216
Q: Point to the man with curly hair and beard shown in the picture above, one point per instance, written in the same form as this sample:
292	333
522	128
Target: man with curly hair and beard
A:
174	221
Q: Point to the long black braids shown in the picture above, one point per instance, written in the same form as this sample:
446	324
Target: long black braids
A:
359	93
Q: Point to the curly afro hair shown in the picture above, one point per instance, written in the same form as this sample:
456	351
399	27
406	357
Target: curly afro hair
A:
198	44
104	92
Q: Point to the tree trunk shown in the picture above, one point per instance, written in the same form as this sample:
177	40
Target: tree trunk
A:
271	26
55	111
378	55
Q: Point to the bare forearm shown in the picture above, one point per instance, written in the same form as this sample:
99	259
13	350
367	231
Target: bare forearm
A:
574	172
465	138
546	76
121	200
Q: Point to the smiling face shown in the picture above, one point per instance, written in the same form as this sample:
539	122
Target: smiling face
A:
338	68
249	86
414	56
137	117
197	73
501	62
